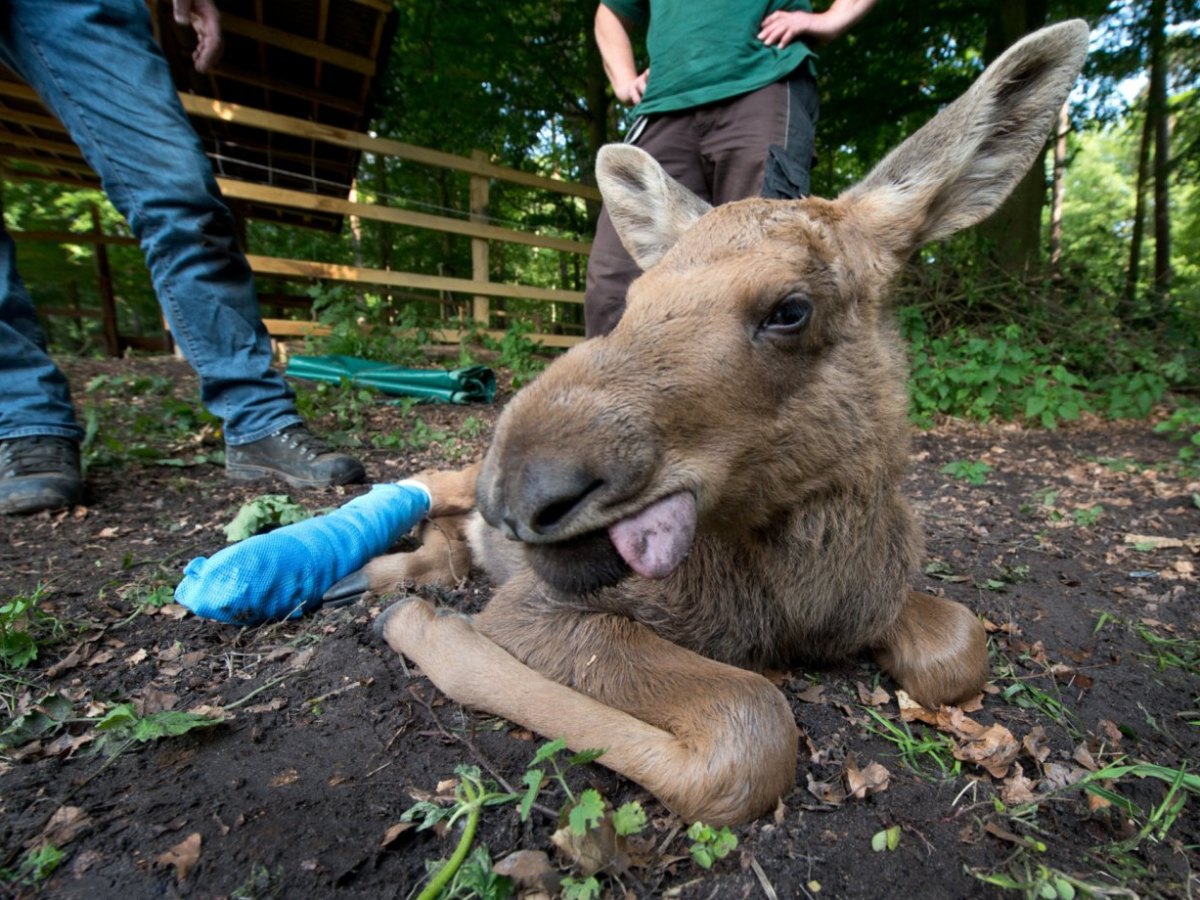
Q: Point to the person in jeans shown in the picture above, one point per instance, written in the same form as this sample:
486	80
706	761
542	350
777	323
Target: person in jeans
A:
95	65
728	107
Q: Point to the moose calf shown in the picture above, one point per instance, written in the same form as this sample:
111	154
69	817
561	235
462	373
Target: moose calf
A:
714	487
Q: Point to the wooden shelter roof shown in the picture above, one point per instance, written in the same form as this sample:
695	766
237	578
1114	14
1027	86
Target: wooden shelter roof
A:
318	60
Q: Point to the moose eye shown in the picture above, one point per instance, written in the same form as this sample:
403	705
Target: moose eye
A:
789	316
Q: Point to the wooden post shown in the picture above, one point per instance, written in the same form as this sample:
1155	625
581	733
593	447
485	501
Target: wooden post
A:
480	308
108	303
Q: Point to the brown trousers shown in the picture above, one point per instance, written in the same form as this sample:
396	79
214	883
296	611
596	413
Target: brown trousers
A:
719	152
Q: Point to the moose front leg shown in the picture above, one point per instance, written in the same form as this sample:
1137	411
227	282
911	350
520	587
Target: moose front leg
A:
936	650
713	742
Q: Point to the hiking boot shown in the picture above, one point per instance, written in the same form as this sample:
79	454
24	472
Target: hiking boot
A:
39	472
296	456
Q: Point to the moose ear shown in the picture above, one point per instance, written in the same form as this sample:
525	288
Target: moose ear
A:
960	166
649	209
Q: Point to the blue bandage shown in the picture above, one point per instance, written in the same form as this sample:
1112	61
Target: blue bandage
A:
284	573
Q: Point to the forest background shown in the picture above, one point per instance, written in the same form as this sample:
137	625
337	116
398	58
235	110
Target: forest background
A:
1081	296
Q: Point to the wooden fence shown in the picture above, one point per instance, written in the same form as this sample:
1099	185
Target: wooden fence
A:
479	287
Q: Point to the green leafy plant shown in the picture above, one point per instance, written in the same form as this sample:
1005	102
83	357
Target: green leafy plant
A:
24	627
710	844
262	514
122	726
471	795
1087	516
973	471
915	749
35	867
886	839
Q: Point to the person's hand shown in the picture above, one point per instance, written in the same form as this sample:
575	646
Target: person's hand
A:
630	93
781	28
205	19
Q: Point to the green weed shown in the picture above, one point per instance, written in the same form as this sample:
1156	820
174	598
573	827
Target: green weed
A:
262	514
1087	516
24	628
35	867
1175	653
710	844
972	471
916	750
122	727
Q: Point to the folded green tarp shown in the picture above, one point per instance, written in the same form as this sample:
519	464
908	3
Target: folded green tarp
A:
467	385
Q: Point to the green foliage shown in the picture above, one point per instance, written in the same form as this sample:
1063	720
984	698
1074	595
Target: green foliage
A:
710	844
138	418
35	866
24	627
973	471
887	839
517	352
122	725
1184	425
915	749
262	514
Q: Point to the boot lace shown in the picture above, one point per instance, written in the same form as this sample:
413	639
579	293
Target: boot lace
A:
36	455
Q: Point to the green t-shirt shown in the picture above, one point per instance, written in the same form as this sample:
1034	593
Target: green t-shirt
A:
702	51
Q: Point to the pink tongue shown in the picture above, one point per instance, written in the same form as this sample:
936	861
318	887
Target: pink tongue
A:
654	541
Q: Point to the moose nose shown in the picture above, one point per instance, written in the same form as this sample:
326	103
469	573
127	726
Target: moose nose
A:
547	496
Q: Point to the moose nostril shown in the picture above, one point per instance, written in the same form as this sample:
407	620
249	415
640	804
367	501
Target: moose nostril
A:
550	493
556	511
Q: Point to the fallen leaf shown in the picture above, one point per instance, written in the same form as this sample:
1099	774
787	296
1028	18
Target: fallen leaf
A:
1083	756
291	776
872	779
1035	744
67	823
1017	790
1111	732
868	697
812	694
395	831
828	792
138	656
599	847
912	711
531	870
183	856
993	746
1152	542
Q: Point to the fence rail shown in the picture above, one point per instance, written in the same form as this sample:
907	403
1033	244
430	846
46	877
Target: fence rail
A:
481	172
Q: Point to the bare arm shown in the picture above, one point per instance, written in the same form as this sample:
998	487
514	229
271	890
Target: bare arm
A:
781	28
205	19
616	49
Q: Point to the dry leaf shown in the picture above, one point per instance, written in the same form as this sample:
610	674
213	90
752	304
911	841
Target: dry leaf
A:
912	711
291	776
1035	744
183	856
531	870
1083	756
597	848
1017	789
1153	541
872	779
1111	732
828	792
876	697
64	826
395	831
993	747
812	694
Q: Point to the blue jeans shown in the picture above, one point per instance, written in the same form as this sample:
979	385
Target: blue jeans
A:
96	66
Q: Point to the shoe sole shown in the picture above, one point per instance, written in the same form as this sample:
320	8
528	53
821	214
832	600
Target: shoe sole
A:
31	498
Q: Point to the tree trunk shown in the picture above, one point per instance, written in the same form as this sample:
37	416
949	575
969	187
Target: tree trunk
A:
1128	306
1157	110
1015	229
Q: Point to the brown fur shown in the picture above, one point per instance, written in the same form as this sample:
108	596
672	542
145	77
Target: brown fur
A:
793	445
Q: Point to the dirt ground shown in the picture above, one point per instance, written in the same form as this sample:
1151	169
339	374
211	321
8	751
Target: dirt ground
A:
1078	548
